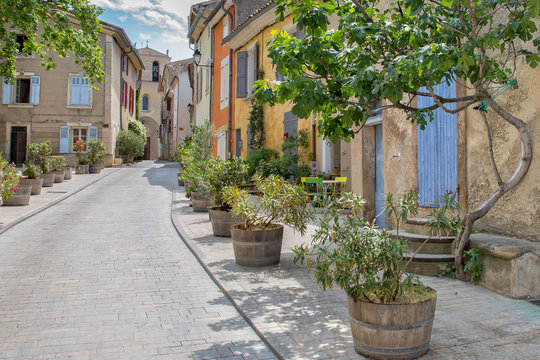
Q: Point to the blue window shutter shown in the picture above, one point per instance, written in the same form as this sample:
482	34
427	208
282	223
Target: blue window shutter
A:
64	139
437	149
6	93
241	74
35	85
92	132
84	91
75	91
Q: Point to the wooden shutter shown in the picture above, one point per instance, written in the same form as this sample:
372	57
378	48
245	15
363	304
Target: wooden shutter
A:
92	132
224	90
437	149
84	91
6	93
64	139
241	74
35	84
75	95
238	139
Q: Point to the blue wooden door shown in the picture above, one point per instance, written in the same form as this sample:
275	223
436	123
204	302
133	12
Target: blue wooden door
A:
437	149
379	177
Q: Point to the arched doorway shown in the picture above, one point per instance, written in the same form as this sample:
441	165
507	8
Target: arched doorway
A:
152	150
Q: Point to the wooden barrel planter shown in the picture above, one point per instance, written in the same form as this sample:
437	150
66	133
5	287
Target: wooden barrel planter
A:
20	198
95	169
200	204
222	221
59	176
35	184
67	173
48	179
257	247
392	331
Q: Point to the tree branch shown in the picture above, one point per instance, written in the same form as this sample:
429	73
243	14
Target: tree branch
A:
490	148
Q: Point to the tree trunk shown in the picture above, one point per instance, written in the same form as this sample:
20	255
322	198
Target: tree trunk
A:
502	186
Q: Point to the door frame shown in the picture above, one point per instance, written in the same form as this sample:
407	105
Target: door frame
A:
9	125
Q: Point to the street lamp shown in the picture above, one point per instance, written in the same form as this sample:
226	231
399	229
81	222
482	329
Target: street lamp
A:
197	59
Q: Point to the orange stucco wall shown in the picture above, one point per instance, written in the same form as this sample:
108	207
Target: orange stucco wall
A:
220	117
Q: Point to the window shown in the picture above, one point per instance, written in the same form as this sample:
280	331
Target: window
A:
79	91
225	27
79	134
224	93
145	103
25	91
246	71
20	42
155	71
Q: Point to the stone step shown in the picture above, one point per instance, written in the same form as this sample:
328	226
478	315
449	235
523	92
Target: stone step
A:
433	246
427	264
416	225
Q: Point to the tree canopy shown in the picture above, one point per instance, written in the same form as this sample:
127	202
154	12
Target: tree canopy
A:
43	28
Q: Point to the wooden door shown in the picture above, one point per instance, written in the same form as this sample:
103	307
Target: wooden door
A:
147	148
437	150
18	145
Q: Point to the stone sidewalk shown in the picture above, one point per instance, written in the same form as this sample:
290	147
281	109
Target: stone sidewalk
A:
303	322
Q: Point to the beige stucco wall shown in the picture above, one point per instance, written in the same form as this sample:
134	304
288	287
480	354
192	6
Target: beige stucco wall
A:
203	106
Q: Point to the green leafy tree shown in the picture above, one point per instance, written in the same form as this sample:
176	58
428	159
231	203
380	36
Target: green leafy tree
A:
48	27
390	53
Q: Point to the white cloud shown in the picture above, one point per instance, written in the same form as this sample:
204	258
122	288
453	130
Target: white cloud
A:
159	19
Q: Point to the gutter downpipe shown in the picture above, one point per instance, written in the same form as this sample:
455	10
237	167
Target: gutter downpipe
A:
230	81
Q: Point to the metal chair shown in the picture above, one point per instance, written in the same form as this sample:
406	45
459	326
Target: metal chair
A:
314	187
339	187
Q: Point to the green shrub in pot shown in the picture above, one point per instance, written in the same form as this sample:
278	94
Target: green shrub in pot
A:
31	171
96	150
225	173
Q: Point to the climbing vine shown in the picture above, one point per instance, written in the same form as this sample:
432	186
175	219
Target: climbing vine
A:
256	122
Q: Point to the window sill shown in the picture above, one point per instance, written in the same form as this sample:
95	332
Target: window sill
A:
89	107
23	106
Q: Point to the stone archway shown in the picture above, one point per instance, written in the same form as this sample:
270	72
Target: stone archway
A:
153	147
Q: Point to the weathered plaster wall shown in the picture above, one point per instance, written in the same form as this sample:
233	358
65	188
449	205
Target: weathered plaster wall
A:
517	213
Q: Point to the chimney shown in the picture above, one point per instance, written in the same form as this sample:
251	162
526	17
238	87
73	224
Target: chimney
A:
167	52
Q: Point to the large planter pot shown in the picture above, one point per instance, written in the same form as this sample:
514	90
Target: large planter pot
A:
59	176
200	204
222	221
35	184
48	179
95	169
20	198
391	331
257	247
67	173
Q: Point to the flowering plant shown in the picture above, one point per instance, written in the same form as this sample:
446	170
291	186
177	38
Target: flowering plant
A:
79	147
9	179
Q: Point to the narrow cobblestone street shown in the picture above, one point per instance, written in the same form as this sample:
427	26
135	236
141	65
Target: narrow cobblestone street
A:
104	275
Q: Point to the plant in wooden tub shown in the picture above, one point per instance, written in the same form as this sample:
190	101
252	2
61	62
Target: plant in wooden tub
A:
222	174
32	177
96	152
391	311
39	154
58	163
257	240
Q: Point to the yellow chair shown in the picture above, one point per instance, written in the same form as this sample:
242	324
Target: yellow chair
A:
339	187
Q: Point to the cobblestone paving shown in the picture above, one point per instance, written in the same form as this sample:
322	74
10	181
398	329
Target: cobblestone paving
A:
303	322
103	275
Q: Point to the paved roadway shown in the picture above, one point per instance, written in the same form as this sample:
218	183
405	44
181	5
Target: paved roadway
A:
103	275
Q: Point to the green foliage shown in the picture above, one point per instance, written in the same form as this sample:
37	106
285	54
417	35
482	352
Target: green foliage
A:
389	53
137	105
473	265
96	150
225	173
30	170
50	31
401	208
351	253
445	220
39	153
197	158
129	143
58	162
9	179
279	202
258	158
256	126
447	270
138	128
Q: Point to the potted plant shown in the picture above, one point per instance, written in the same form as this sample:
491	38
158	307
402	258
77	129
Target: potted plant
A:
257	240
57	164
335	170
391	311
9	180
223	174
82	166
32	177
96	152
38	153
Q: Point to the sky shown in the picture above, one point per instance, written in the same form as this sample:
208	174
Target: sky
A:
163	23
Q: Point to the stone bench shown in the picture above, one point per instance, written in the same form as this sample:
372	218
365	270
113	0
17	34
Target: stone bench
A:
511	266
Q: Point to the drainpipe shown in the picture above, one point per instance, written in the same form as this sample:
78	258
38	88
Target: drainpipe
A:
230	82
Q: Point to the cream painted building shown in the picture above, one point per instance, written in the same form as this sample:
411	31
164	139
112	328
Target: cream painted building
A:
59	105
150	100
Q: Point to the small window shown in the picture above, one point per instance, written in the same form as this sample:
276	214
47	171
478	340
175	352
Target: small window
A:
145	103
155	71
21	39
225	27
79	134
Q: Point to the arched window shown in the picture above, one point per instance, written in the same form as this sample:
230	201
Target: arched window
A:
145	103
155	71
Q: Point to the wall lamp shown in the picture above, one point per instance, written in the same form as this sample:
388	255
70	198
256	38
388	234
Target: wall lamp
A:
197	59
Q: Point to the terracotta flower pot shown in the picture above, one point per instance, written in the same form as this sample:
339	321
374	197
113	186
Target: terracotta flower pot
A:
35	184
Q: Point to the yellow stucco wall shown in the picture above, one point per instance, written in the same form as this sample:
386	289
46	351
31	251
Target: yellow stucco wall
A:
273	116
